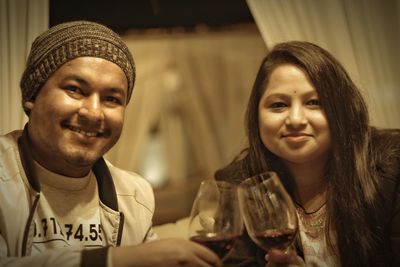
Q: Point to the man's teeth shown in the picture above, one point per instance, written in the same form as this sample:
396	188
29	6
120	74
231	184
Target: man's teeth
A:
89	134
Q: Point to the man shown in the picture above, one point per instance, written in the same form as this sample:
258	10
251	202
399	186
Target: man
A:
61	203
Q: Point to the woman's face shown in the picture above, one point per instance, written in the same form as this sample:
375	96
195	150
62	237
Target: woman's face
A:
292	123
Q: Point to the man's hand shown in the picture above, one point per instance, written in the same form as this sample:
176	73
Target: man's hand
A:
166	253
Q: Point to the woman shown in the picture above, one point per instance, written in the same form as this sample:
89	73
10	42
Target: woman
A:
307	121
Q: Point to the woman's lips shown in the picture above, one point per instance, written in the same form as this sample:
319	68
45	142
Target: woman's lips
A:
296	137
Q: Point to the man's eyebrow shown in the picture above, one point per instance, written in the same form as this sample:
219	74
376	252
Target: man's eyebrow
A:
76	78
118	90
81	80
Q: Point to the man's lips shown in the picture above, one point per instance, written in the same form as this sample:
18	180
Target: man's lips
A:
85	132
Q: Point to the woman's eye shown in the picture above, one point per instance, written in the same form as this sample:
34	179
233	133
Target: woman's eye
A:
314	102
278	105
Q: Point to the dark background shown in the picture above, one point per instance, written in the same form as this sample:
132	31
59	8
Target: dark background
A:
123	15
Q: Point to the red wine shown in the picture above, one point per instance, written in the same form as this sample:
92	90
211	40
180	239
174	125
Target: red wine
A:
274	238
220	244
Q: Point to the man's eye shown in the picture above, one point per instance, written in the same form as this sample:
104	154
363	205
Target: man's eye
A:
113	100
73	89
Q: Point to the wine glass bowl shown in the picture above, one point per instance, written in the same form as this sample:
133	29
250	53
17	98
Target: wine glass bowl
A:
215	219
268	211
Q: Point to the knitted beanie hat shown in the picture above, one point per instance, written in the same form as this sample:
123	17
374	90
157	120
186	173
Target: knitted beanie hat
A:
70	40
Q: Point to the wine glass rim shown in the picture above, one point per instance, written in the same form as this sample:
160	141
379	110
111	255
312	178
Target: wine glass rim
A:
212	180
258	178
222	184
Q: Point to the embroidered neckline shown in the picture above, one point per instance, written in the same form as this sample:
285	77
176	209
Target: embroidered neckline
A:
312	222
309	212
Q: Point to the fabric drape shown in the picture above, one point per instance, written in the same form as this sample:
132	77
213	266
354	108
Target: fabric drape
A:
20	22
194	88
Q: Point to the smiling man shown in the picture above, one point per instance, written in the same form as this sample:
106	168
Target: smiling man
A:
78	115
61	203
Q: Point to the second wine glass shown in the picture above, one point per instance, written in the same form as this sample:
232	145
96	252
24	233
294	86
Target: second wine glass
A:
268	211
215	219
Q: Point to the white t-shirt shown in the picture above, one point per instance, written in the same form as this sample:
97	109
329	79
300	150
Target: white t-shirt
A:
68	212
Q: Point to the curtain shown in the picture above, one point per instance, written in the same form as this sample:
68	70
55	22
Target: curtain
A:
20	22
363	35
192	87
192	90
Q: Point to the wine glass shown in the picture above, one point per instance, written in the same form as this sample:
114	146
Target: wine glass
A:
215	219
268	211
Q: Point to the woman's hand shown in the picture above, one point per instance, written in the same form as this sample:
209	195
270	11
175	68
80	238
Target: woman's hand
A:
289	257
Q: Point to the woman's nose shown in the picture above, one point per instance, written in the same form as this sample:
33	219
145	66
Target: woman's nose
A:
296	117
91	108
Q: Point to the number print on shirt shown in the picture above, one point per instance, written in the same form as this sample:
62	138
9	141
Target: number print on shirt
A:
49	229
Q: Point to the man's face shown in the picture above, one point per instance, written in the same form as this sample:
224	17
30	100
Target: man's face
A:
78	115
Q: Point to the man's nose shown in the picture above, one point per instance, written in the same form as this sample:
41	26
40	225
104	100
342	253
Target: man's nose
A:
91	108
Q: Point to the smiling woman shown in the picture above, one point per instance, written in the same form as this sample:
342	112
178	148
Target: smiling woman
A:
307	121
293	124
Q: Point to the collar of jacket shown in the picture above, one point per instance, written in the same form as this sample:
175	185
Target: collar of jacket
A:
105	183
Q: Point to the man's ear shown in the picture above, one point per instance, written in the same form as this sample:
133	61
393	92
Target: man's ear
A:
28	106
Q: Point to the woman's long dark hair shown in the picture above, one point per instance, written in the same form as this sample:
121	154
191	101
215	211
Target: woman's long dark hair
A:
352	189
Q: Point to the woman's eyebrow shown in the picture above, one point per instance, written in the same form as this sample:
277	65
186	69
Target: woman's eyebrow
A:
277	95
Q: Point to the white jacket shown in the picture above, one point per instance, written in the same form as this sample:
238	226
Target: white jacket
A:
126	210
